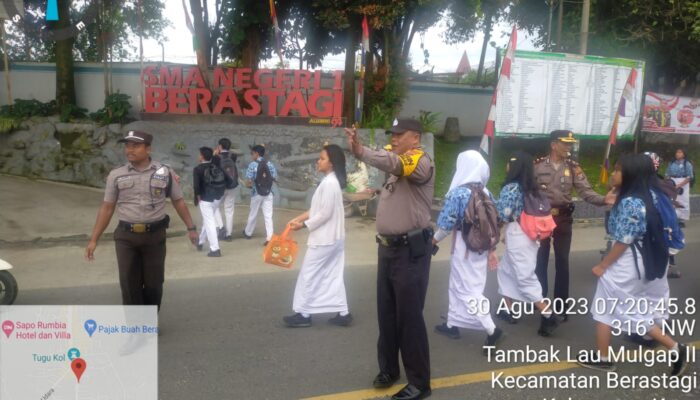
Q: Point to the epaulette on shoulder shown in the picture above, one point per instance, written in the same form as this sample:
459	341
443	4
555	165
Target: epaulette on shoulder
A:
541	159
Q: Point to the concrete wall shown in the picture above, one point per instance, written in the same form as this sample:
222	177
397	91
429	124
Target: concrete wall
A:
84	152
470	105
37	81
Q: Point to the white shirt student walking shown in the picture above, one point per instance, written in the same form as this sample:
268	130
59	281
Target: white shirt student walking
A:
261	195
320	287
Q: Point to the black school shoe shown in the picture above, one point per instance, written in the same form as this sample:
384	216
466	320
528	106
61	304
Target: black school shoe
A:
680	365
246	236
547	325
507	317
452	333
410	392
384	380
341	320
590	363
491	340
297	321
216	253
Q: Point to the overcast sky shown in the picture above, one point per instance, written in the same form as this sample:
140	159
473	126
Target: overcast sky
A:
443	57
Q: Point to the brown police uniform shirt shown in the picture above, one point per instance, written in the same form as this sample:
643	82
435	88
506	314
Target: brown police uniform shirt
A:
405	201
140	195
559	183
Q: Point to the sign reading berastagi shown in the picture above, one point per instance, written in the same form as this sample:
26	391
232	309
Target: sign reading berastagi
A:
665	113
243	92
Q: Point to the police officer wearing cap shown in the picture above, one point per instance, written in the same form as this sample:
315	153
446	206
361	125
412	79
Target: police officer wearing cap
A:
405	248
137	192
557	175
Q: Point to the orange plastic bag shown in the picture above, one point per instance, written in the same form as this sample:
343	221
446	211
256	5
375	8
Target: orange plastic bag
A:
281	250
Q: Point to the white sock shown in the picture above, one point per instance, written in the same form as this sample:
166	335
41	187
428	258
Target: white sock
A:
490	331
647	337
547	314
675	347
604	359
448	325
344	313
305	315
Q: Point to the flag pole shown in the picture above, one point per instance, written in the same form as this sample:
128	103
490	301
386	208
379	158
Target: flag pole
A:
613	129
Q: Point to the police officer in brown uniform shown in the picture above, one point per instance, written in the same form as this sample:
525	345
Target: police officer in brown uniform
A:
404	253
137	191
558	175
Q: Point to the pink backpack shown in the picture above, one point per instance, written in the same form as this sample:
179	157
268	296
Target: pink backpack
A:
536	219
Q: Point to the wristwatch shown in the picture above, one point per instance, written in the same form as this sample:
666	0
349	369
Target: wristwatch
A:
193	228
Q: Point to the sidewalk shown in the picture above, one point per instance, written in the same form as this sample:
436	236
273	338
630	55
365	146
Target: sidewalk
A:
45	226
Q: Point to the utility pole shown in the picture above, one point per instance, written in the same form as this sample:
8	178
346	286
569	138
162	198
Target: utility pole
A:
585	15
560	21
549	25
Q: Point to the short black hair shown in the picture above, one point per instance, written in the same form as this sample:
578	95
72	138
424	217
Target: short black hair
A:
206	152
225	143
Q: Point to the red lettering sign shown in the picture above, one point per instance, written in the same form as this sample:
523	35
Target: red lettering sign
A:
242	91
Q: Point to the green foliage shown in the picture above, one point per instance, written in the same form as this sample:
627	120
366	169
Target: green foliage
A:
71	112
116	109
429	120
180	146
378	118
28	108
8	124
488	78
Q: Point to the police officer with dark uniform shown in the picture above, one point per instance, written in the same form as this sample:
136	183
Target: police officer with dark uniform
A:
405	249
557	175
137	191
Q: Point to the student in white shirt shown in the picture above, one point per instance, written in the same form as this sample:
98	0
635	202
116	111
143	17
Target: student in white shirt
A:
320	287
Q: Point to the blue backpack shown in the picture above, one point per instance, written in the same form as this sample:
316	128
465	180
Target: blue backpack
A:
672	231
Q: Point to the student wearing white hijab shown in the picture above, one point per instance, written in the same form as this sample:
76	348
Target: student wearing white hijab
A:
320	287
468	307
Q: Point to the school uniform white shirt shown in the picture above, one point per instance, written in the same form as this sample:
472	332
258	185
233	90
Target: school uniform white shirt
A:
326	221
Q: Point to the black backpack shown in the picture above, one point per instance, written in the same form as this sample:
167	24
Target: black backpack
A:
263	179
685	169
214	177
228	164
653	247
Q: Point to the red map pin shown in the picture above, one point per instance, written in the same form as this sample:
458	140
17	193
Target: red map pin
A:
78	367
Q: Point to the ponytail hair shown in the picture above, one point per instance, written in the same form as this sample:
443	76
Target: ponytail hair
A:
337	158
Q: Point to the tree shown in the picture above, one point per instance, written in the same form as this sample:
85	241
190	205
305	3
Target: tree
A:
394	25
65	84
664	34
248	35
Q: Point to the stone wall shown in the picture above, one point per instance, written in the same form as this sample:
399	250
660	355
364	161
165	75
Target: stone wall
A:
84	152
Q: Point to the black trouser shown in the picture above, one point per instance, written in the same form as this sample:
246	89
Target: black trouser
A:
402	283
562	246
141	260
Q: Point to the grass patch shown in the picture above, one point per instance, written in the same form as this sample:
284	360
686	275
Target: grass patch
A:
590	157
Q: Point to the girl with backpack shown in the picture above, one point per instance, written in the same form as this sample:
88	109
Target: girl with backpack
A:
681	171
468	307
320	286
625	272
516	270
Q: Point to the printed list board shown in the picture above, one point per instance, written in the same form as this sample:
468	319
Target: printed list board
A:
548	91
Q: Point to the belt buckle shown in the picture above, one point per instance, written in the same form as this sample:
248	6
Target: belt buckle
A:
383	241
555	212
138	228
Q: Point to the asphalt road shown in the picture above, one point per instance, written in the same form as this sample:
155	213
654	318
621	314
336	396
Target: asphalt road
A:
222	338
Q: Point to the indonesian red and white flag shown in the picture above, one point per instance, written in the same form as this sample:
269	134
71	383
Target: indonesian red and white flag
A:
490	128
627	96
